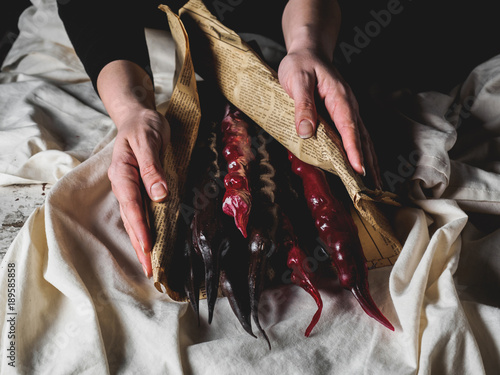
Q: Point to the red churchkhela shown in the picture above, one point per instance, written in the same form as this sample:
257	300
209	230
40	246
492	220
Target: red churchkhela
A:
338	231
237	200
301	276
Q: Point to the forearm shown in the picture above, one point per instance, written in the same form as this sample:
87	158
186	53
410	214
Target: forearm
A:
312	25
125	89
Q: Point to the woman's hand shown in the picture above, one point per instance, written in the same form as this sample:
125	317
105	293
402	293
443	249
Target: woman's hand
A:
304	74
127	93
135	167
310	28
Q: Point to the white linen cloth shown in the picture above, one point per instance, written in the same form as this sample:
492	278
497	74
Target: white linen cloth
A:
83	305
51	119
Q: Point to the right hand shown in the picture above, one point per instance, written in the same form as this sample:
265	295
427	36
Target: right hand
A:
305	73
141	139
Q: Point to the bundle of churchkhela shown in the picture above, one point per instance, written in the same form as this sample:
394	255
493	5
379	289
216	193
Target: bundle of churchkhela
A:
261	220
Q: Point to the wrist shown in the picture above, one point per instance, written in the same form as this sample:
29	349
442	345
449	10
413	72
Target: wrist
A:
312	25
133	119
306	39
125	90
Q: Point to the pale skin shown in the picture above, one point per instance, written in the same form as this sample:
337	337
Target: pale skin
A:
310	28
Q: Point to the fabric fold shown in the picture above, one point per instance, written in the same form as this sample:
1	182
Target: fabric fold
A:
83	305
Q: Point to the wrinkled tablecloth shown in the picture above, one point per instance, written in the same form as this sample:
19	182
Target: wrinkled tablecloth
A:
82	304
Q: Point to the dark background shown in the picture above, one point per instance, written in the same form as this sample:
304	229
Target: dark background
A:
8	24
429	45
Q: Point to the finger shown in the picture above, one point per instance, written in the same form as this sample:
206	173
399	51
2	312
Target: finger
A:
342	109
302	92
370	156
124	179
143	257
348	130
147	151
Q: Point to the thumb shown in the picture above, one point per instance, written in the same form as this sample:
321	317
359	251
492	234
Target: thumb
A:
152	174
305	109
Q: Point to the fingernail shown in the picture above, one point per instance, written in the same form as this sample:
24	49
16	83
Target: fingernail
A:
158	191
364	171
143	248
305	129
145	271
380	184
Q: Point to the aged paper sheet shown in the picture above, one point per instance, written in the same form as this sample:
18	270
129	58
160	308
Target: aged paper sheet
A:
222	57
183	113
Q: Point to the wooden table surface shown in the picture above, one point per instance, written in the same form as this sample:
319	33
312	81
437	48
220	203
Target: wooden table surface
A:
17	202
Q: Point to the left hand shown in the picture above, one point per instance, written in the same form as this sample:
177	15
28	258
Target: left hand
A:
141	138
304	73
